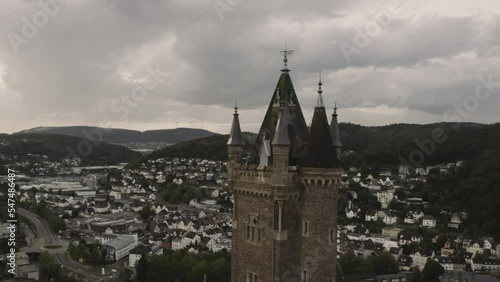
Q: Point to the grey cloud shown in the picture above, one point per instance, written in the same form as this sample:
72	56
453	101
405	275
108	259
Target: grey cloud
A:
78	60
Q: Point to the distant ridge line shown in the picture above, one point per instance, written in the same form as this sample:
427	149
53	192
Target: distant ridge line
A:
120	135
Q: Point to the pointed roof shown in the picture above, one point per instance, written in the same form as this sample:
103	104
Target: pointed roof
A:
334	129
235	135
281	131
319	151
284	97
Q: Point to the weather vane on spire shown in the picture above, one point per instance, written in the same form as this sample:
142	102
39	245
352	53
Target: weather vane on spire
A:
319	82
285	54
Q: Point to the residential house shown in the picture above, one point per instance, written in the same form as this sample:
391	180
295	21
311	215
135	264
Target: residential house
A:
392	232
385	197
428	221
475	247
137	253
484	265
191	238
405	262
390	218
420	257
371	215
451	263
448	249
177	244
455	220
398	277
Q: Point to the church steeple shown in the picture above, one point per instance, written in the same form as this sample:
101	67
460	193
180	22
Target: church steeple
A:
334	130
235	134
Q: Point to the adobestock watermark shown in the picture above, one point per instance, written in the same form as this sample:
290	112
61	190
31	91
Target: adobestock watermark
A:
121	107
223	6
460	112
31	26
372	28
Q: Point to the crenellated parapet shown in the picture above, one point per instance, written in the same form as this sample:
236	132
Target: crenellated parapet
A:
320	177
259	180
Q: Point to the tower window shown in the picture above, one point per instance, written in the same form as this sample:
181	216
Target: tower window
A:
305	228
303	276
252	277
248	232
332	236
254	234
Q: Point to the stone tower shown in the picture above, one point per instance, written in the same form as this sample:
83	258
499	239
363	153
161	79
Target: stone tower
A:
285	194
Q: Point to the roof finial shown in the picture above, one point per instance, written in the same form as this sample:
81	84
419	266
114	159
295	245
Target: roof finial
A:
236	106
319	102
319	82
285	54
335	109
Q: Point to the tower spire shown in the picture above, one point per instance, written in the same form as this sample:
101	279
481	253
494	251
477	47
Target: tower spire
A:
319	150
319	102
235	135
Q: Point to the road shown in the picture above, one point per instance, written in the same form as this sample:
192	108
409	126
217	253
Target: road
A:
47	236
43	230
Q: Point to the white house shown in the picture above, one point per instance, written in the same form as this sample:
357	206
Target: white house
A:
420	259
428	221
371	216
220	244
409	219
190	238
137	253
390	219
385	197
455	221
177	244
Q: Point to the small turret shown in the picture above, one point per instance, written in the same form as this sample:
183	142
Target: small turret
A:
320	173
319	152
334	130
265	150
235	138
235	143
281	148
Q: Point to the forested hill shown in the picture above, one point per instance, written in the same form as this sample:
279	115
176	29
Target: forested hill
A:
213	147
383	145
117	135
386	144
20	147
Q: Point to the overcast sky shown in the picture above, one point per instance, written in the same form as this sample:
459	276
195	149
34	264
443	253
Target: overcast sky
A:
144	64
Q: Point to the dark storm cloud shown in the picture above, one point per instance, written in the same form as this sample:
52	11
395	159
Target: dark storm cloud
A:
91	54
